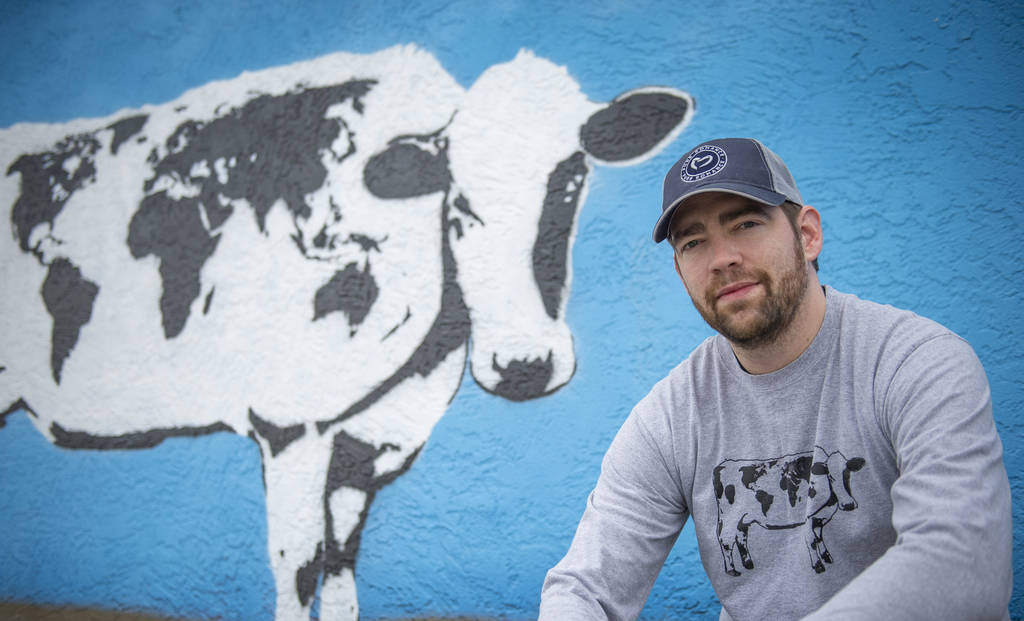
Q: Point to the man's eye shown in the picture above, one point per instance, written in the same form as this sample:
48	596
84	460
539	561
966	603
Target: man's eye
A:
690	245
749	224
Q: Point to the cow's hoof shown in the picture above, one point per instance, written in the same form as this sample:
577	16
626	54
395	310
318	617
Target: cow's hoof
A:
732	572
826	557
819	567
749	564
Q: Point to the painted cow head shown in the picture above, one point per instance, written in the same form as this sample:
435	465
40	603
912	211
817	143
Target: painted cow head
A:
522	145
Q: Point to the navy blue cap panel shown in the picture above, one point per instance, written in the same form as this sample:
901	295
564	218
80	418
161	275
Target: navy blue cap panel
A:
738	165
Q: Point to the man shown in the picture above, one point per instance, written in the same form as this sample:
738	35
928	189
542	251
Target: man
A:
838	457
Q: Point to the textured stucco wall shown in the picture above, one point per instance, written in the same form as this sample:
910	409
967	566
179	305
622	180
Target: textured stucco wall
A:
901	123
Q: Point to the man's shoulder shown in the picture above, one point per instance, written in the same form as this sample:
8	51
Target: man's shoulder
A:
886	321
889	333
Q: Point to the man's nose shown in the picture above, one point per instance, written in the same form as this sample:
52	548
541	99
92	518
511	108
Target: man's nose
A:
724	255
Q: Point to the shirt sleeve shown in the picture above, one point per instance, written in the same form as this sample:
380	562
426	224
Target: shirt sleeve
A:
951	499
632	519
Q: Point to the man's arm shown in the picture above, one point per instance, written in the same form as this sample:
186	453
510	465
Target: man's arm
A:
951	501
631	521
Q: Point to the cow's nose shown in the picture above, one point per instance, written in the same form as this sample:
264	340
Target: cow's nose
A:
523	379
848	506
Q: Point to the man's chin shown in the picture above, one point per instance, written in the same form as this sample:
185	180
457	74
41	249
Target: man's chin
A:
737	312
723	309
741	332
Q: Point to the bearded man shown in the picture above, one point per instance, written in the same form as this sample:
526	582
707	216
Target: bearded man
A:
857	438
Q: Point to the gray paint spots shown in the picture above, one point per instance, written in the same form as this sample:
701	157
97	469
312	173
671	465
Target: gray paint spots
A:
461	206
404	170
625	129
277	437
46	184
69	299
365	242
308	576
352	465
523	379
351	291
12	408
408	315
632	126
322	240
449	331
352	459
173	231
551	248
125	129
208	301
268	139
139	440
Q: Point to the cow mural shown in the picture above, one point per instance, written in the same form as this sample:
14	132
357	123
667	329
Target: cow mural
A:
803	489
308	255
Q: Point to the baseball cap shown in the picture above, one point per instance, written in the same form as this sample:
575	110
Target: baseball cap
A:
741	166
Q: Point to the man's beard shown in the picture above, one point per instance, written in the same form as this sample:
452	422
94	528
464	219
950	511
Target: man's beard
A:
775	312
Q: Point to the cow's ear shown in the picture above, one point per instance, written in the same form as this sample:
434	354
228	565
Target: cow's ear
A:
855	464
819	468
636	124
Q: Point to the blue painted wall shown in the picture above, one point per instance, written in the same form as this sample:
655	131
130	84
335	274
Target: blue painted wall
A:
901	122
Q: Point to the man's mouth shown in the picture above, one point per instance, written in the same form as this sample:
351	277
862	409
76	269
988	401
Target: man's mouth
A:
735	291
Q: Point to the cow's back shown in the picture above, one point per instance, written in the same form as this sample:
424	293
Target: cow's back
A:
162	292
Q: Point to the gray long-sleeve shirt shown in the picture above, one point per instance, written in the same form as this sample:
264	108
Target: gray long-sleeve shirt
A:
862	481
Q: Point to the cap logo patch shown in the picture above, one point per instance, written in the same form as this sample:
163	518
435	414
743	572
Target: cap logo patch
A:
702	163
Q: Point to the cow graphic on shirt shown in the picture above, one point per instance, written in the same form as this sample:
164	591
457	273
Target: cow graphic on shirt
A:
802	489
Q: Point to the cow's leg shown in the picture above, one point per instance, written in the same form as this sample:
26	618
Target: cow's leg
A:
346	512
351	482
822	550
338	600
815	545
370	450
726	540
742	531
817	525
294	473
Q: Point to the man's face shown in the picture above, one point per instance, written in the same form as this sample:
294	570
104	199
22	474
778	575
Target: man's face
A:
742	264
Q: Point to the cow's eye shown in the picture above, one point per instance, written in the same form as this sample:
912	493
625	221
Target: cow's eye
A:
405	170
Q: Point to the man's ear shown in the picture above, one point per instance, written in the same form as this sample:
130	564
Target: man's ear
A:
808	223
